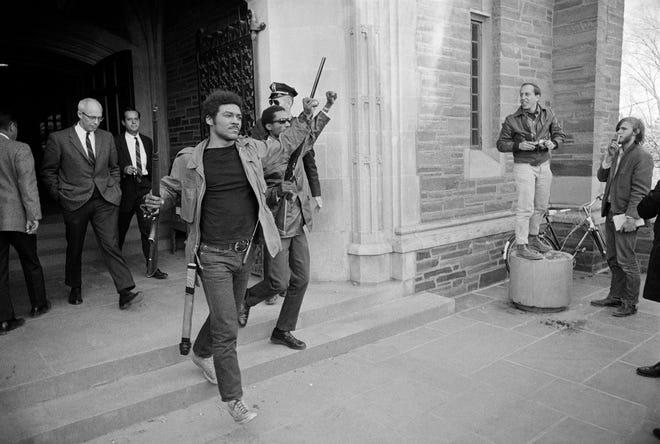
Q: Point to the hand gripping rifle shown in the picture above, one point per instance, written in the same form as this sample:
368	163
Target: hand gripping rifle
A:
152	260
295	155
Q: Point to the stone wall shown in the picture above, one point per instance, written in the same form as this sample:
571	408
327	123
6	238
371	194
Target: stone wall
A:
461	267
521	39
521	51
572	50
586	75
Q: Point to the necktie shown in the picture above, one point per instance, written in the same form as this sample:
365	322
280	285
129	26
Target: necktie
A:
138	157
90	151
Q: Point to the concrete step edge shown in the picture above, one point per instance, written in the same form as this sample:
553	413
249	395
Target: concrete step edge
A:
261	327
195	389
57	258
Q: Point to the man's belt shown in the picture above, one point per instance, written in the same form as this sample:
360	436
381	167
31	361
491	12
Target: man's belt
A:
240	246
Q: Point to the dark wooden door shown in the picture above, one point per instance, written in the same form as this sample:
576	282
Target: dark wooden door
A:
225	61
112	85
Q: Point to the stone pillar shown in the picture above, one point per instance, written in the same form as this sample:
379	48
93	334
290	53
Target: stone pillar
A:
586	62
382	134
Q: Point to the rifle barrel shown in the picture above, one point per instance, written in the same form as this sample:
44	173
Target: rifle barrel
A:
318	77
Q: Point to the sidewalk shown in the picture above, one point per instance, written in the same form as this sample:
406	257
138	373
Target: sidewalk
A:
488	374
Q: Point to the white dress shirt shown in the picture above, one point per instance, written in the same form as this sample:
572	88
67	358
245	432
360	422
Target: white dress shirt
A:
82	135
130	142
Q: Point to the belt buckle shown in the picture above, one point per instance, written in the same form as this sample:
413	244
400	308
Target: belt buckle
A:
241	246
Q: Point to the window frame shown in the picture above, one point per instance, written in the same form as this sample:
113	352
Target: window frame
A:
478	78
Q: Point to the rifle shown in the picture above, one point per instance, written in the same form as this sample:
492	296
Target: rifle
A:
295	155
184	345
152	260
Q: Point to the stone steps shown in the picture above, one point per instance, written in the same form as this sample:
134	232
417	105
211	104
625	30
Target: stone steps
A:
321	305
90	402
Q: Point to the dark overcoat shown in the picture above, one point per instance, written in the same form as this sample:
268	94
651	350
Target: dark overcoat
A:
648	208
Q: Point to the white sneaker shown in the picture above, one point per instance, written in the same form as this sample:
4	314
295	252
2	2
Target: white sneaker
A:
206	364
240	412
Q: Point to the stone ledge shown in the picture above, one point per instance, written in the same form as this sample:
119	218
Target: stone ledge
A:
434	234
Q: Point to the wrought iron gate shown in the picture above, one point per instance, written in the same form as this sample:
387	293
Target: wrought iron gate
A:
225	61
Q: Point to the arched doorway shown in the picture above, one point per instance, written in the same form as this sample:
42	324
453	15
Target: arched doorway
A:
55	53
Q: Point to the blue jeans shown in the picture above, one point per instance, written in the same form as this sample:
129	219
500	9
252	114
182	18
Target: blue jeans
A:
622	260
225	278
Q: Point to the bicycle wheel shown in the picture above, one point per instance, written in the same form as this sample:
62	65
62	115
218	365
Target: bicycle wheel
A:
508	248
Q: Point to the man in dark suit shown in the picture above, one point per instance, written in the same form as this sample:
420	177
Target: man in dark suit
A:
19	219
80	171
649	208
134	151
627	168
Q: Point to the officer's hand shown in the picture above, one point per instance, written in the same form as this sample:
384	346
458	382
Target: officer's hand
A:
330	97
628	225
309	105
319	202
526	146
287	189
153	203
31	226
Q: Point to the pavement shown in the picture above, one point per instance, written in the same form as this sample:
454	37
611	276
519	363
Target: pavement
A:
490	373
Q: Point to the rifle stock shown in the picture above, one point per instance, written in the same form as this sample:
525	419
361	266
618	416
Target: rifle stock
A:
152	260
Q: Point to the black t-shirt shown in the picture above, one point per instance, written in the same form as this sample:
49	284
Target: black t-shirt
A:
229	207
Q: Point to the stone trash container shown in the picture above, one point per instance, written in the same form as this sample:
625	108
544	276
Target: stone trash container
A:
542	285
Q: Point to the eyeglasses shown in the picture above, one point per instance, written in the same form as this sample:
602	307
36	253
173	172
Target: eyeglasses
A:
282	121
92	118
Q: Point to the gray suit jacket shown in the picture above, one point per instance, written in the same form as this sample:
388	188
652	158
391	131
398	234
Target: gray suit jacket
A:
19	196
70	176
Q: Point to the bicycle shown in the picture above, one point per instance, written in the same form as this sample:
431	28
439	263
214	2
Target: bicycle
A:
549	236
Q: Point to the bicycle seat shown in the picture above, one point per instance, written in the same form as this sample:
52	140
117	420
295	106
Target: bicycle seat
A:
557	210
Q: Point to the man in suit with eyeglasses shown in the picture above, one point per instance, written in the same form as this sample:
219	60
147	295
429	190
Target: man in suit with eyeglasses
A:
81	172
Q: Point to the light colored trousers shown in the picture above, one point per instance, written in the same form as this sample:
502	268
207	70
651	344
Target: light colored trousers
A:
533	184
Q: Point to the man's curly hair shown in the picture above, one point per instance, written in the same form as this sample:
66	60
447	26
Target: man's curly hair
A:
218	98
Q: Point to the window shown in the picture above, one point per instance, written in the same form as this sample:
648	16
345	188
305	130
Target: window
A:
475	81
481	158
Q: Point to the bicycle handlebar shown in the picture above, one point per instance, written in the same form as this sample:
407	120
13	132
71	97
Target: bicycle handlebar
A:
585	207
593	202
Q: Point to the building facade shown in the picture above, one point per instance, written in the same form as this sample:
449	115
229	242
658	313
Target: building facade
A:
413	186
